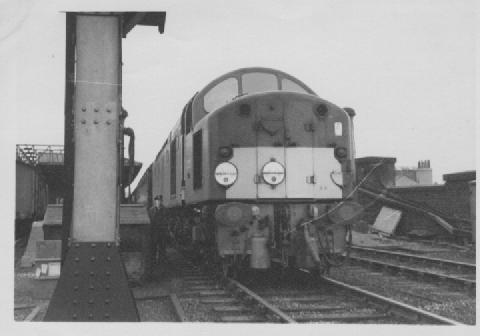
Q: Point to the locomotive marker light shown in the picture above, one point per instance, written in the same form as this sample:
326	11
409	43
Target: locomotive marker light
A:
340	152
225	152
273	173
226	174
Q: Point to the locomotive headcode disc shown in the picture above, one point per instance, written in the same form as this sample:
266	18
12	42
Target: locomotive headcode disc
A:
273	173
226	174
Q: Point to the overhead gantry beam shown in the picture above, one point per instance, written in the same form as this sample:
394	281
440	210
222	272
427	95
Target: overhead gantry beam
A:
131	19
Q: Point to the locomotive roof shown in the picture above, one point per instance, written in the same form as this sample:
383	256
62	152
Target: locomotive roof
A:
239	72
241	82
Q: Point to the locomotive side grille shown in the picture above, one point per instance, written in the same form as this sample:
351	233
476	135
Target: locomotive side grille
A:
197	160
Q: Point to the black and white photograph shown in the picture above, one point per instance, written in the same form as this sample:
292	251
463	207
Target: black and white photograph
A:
239	164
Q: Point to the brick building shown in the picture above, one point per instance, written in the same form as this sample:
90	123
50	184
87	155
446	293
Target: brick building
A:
420	204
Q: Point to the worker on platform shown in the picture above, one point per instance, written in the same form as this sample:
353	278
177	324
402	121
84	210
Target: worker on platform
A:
159	232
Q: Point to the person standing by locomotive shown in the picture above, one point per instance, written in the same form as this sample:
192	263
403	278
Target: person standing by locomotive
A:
159	230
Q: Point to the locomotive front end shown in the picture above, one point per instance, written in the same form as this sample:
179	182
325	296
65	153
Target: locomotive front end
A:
283	162
258	170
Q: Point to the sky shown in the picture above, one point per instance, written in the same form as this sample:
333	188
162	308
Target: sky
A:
408	68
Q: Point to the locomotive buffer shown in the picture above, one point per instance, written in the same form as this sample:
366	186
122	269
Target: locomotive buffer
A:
93	283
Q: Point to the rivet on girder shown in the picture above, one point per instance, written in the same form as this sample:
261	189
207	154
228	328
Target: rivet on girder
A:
108	122
74	316
95	122
93	245
75	302
77	245
109	259
92	259
90	316
92	273
107	301
91	301
75	288
91	287
84	109
109	244
95	109
107	286
76	273
107	273
77	259
107	315
109	110
84	121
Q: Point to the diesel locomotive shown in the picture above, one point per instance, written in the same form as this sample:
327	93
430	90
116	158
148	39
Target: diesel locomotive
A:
258	170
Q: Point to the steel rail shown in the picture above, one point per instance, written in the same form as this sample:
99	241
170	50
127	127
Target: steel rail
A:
411	270
262	302
177	307
420	314
30	317
414	257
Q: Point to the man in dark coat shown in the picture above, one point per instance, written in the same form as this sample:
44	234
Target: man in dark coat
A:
158	229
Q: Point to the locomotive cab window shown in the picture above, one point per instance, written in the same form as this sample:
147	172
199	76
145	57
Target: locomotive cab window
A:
291	86
259	82
188	117
221	94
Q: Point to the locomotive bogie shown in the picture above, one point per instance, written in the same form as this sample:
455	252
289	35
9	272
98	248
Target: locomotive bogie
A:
284	222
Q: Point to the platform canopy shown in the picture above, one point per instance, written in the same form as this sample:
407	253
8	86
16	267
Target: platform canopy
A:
49	158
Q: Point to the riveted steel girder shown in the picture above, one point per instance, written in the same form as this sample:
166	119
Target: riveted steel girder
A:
92	286
97	108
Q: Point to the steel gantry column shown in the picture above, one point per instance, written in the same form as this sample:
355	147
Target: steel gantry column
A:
97	110
93	284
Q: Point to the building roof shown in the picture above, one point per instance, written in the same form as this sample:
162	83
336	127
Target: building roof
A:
460	176
375	159
404	181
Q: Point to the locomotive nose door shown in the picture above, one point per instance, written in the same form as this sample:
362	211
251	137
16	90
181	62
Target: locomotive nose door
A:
299	151
270	133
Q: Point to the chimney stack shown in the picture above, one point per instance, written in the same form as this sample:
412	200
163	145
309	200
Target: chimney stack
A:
424	173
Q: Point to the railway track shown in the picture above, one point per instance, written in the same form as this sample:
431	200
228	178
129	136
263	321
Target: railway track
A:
30	311
395	307
205	297
458	273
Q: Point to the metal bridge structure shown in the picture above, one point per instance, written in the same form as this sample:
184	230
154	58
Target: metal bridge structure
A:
93	283
50	161
40	154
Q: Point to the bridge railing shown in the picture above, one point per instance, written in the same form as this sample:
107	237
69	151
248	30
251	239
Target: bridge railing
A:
35	154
